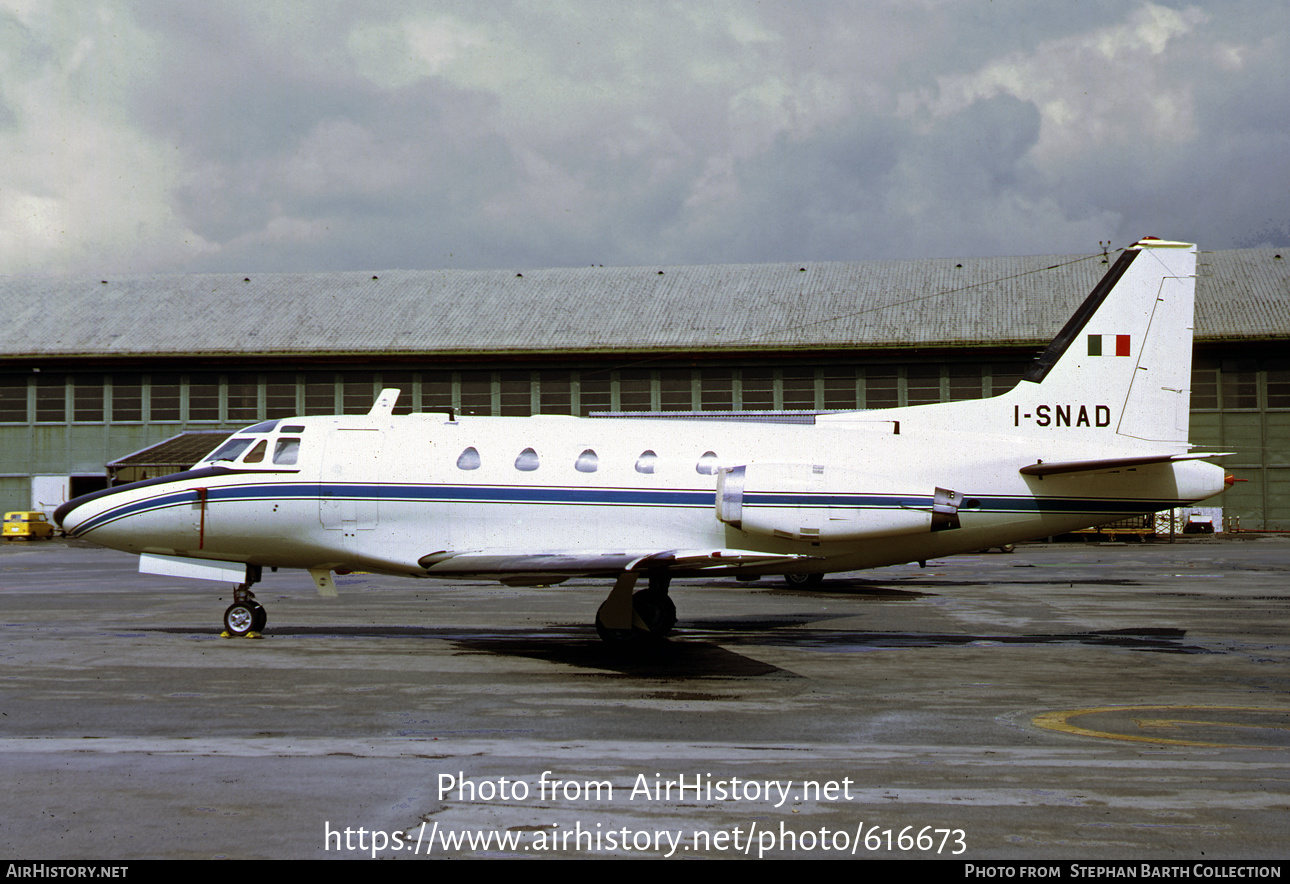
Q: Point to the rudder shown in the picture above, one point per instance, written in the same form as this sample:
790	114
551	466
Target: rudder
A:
1128	346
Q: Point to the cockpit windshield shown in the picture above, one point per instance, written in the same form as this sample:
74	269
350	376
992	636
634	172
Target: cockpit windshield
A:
286	452
230	450
260	447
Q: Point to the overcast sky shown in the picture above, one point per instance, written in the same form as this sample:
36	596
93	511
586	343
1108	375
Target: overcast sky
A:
177	136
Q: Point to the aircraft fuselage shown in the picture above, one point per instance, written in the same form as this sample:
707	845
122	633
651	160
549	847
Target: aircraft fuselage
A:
381	492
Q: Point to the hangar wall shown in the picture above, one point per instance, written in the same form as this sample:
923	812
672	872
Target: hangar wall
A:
1242	404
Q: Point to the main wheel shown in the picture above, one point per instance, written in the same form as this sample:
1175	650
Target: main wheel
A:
618	637
240	618
261	617
656	611
803	581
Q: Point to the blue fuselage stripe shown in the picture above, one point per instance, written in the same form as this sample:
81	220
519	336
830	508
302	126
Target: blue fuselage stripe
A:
565	496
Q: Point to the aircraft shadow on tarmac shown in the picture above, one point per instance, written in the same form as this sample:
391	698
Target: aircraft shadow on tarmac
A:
572	645
884	590
706	647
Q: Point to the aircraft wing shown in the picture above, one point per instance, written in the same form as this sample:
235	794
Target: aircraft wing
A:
1111	463
512	565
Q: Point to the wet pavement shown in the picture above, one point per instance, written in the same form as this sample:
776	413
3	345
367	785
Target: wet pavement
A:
1100	701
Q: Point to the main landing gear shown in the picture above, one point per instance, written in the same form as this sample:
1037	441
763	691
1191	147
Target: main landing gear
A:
245	618
647	616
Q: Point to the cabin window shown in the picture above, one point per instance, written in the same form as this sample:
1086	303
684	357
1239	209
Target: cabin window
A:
645	463
587	462
468	460
231	449
527	461
707	465
286	452
256	454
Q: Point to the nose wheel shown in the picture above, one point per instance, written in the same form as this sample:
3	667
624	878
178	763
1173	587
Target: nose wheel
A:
245	617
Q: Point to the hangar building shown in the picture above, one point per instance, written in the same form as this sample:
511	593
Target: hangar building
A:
92	370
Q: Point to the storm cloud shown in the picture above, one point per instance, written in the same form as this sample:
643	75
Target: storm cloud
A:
170	136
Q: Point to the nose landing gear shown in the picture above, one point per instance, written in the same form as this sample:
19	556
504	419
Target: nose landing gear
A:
246	617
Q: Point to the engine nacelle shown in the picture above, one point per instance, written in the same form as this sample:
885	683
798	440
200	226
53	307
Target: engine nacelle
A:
813	502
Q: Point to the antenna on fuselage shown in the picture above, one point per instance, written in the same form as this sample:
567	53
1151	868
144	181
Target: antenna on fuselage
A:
384	404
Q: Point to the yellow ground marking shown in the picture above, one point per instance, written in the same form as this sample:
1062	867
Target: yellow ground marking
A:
1061	721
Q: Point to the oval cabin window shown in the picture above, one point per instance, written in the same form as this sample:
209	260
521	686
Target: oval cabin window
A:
587	462
645	463
707	465
468	460
527	461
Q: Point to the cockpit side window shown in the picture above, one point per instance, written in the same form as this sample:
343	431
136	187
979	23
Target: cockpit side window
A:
256	454
231	449
286	452
527	461
468	459
587	462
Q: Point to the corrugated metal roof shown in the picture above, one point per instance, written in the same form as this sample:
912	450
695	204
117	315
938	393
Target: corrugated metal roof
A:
1242	294
178	452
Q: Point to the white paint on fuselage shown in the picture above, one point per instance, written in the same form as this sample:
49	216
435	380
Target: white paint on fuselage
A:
372	492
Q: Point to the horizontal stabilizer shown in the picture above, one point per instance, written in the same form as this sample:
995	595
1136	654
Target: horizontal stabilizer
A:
1111	463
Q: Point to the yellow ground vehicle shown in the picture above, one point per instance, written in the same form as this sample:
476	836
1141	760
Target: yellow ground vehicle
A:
30	525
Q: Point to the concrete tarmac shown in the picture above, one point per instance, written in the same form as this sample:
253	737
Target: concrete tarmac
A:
1100	701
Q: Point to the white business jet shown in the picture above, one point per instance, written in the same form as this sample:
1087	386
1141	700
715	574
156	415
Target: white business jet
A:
1095	432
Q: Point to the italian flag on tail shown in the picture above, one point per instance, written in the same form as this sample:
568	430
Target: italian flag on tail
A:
1108	345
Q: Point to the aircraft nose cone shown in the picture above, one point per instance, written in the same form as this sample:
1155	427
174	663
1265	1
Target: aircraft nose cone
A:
72	514
64	510
91	517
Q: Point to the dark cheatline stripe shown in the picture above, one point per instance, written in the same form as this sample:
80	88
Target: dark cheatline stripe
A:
131	509
558	496
203	473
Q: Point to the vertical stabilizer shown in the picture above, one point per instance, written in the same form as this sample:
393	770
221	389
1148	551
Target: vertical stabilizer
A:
1129	346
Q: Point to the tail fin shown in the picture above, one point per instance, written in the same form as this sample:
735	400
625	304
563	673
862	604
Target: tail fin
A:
1125	356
